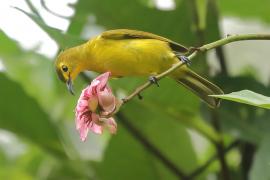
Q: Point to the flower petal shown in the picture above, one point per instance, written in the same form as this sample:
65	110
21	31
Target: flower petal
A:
83	132
103	78
96	128
94	125
97	94
82	119
112	125
106	101
93	103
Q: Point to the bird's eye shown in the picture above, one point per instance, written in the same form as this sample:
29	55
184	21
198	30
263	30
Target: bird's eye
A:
64	68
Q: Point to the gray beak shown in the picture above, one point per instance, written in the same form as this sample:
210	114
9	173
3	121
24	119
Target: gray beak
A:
70	86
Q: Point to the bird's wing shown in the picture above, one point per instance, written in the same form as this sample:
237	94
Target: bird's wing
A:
120	34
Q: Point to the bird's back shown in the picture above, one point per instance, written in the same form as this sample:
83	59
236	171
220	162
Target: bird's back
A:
130	57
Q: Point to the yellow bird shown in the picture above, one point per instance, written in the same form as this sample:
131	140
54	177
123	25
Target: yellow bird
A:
126	52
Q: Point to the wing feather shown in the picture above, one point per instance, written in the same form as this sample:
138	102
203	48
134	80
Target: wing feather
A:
120	34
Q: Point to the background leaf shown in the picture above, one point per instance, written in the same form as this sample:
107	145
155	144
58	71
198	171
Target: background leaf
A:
247	97
253	9
21	114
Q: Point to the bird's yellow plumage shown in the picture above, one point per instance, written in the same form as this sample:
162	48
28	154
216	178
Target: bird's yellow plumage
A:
132	53
131	57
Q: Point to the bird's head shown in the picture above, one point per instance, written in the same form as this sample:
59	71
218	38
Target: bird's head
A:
67	67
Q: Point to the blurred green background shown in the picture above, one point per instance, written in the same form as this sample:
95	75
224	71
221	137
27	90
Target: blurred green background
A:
37	130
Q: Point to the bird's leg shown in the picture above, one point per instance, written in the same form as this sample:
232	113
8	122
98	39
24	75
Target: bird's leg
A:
153	80
185	60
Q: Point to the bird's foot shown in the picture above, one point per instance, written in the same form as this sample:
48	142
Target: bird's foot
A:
153	80
185	60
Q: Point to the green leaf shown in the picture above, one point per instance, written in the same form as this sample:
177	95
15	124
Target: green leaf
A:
63	40
22	115
261	162
247	97
245	122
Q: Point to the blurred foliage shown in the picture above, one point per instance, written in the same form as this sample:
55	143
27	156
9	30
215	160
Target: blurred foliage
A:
38	110
252	9
261	161
33	124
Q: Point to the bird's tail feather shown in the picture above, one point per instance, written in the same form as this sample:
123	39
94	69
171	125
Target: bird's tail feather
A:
200	87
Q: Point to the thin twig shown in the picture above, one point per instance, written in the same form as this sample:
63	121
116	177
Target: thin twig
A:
234	38
43	4
33	9
158	77
150	147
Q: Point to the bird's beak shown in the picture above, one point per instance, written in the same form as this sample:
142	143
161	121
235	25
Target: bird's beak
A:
70	85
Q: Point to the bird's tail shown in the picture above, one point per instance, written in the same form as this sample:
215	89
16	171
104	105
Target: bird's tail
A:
199	86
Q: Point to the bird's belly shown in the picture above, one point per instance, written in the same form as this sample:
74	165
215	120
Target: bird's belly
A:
135	58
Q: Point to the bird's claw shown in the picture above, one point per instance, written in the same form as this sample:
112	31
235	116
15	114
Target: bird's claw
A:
153	80
185	60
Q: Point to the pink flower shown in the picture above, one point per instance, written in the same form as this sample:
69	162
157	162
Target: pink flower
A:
96	101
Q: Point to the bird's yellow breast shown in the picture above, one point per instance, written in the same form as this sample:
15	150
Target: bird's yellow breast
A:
129	57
